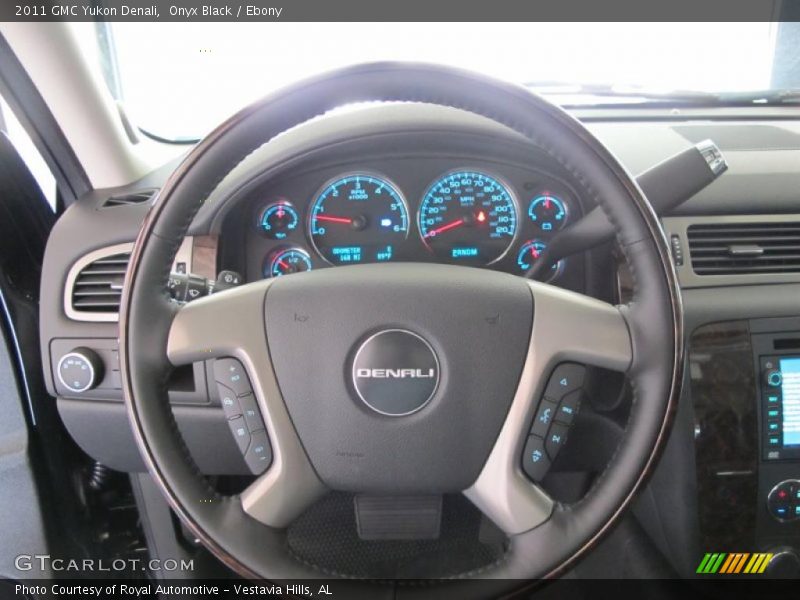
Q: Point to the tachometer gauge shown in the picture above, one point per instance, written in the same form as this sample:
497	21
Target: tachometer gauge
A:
358	218
286	262
278	220
548	212
530	252
468	217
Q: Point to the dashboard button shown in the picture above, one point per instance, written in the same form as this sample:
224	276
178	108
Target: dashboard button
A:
555	439
230	404
231	373
535	462
566	378
773	378
568	407
240	432
544	416
80	370
252	416
259	454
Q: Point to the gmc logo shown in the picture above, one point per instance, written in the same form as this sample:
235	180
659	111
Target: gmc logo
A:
396	373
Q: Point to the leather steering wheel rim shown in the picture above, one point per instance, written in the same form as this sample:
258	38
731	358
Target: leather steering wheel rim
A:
653	318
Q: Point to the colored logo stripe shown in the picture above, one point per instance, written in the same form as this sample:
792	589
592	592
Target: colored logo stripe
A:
711	563
734	563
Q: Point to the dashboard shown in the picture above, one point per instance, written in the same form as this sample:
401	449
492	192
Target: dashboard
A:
425	184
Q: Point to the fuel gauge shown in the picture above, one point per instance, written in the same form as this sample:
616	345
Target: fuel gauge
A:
530	252
286	262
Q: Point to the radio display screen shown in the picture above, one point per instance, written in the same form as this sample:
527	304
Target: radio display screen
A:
790	395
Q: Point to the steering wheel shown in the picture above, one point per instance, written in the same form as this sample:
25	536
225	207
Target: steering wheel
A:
467	351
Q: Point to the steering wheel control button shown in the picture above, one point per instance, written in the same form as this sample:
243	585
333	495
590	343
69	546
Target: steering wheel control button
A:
566	378
544	417
568	407
80	370
259	453
229	401
535	462
783	501
240	432
395	372
555	439
252	416
230	373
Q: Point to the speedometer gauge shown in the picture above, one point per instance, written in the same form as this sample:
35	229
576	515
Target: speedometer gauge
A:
358	218
468	217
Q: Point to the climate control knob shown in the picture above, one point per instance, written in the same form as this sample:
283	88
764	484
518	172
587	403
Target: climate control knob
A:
80	370
785	564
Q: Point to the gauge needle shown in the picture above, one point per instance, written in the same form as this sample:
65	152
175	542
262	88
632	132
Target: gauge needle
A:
333	219
534	252
444	228
284	265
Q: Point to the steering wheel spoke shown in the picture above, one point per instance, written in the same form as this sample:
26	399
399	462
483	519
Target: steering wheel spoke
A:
231	324
567	327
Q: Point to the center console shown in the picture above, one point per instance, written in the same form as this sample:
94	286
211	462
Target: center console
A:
745	386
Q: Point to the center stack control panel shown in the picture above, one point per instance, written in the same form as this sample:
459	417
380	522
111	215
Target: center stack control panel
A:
776	356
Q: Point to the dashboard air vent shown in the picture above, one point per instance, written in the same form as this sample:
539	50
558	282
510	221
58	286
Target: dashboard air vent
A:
98	286
745	248
140	197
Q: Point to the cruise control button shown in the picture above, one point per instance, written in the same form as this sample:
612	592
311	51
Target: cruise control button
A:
535	462
568	407
555	439
259	455
544	416
240	432
566	378
230	404
252	416
231	373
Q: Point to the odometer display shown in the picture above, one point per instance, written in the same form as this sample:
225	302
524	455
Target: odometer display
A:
358	218
468	217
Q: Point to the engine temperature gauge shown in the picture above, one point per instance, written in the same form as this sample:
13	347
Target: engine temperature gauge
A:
287	262
548	212
530	252
278	220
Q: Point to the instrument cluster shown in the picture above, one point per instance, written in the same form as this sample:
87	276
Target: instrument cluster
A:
471	216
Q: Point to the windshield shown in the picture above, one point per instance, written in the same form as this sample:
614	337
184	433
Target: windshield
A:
178	81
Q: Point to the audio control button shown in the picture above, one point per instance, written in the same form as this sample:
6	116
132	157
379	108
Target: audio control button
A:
544	416
259	454
231	373
240	432
773	378
535	461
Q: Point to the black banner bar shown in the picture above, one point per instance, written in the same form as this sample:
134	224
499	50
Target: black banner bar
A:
398	10
717	588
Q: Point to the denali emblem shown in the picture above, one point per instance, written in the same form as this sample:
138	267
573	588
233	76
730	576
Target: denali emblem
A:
395	372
